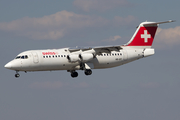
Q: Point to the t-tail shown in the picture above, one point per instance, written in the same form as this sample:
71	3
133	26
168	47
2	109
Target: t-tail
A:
144	35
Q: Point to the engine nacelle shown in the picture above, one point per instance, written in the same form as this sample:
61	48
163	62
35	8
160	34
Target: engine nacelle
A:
85	57
73	57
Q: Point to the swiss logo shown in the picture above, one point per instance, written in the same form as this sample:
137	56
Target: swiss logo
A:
145	36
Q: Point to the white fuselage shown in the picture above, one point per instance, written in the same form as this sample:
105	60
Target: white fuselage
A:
56	59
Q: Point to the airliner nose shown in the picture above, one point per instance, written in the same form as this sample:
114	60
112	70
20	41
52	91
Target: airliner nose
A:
8	65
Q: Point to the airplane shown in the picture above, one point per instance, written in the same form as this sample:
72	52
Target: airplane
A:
88	58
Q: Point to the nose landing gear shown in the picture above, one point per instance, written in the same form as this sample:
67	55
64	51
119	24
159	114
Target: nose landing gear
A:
17	74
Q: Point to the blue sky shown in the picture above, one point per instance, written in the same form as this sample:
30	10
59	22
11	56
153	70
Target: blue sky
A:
144	89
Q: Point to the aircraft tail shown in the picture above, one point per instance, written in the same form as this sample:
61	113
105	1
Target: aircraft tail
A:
144	35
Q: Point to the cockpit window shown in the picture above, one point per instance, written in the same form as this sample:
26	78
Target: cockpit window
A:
18	57
26	57
22	57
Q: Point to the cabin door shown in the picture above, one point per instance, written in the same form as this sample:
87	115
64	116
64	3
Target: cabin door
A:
35	57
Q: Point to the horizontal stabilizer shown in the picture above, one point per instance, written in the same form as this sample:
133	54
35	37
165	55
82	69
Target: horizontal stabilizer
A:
155	23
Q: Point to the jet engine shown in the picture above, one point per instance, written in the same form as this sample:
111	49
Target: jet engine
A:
73	57
85	57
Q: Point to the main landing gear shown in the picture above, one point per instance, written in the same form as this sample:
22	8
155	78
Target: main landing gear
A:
75	74
17	74
88	72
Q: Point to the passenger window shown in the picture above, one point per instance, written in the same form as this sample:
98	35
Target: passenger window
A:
43	56
58	55
49	56
61	55
112	54
46	56
64	55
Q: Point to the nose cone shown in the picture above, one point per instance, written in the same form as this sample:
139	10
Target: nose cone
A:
8	65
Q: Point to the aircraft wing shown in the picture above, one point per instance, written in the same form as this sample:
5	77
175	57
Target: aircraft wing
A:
97	48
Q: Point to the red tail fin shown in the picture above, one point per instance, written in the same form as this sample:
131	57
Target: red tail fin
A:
144	35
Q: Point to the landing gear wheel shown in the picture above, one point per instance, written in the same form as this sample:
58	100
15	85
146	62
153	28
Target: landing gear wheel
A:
17	75
74	74
88	72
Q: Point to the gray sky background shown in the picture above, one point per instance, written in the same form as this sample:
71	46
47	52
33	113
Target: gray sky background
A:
147	89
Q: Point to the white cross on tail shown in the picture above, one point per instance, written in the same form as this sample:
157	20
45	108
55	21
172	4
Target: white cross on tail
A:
145	36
